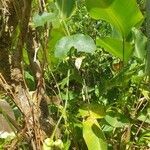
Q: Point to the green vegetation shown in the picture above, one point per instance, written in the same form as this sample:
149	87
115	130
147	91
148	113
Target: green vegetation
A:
76	74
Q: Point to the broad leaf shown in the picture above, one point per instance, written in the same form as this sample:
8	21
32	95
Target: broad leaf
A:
99	3
115	47
66	7
93	135
116	119
40	20
115	33
92	110
122	14
56	34
140	43
83	43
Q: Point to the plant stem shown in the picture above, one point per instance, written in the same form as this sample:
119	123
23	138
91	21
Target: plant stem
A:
65	107
66	27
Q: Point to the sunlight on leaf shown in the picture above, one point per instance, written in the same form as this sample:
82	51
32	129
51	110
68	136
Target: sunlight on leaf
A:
115	47
92	110
78	62
66	7
140	41
122	14
116	119
40	20
93	135
99	3
81	42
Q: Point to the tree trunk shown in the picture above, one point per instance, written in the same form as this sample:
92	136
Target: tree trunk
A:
33	107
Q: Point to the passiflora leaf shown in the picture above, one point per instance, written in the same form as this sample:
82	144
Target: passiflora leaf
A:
115	47
66	7
93	135
122	14
140	41
83	43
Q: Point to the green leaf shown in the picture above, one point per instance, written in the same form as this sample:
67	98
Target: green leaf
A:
92	110
115	33
99	3
66	7
28	76
122	14
144	116
40	20
116	119
140	41
56	34
145	137
108	128
115	47
93	135
83	43
47	145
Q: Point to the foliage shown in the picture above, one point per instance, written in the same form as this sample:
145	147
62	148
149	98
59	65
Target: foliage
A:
92	56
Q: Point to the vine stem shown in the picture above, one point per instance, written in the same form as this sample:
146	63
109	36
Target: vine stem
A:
123	75
67	91
65	107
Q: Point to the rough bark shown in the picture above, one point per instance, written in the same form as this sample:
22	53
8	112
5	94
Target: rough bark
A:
5	42
5	127
33	107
